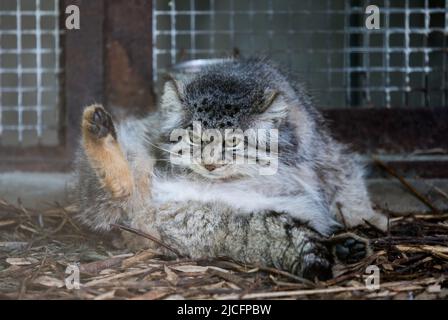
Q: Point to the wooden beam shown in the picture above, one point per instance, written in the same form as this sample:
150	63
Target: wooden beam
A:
83	78
128	65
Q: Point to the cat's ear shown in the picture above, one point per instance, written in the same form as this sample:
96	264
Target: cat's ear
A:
171	105
274	106
171	99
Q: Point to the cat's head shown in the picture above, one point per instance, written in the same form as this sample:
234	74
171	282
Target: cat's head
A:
229	112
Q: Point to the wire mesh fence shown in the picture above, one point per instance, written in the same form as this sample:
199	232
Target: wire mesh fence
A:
29	69
326	43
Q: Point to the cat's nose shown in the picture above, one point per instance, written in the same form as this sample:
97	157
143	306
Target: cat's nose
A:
211	167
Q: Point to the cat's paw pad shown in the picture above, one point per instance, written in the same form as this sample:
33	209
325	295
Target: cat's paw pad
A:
351	249
98	122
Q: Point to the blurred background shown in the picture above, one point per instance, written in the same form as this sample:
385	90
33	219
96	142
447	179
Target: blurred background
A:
384	91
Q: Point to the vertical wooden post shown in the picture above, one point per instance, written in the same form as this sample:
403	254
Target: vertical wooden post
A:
128	56
83	52
108	60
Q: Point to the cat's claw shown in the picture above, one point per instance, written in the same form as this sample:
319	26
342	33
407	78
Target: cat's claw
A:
99	122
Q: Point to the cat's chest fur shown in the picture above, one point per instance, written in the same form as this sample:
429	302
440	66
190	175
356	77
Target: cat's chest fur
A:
299	200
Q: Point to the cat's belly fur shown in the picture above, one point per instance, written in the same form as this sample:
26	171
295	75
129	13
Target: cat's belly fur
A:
243	200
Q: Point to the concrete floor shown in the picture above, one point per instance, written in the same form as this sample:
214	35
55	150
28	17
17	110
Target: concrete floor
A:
40	190
34	189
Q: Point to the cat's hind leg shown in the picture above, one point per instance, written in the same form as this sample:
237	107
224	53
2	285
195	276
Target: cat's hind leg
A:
201	230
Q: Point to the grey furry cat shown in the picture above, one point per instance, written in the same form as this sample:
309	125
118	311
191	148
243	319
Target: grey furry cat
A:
126	174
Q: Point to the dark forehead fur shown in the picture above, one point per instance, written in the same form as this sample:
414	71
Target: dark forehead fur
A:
226	95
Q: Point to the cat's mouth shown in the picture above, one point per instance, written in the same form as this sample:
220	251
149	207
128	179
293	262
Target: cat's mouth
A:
216	171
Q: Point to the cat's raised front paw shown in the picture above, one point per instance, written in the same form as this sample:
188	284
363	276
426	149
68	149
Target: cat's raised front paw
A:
98	122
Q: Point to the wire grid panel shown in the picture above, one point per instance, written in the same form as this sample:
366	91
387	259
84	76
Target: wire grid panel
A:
325	43
29	70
